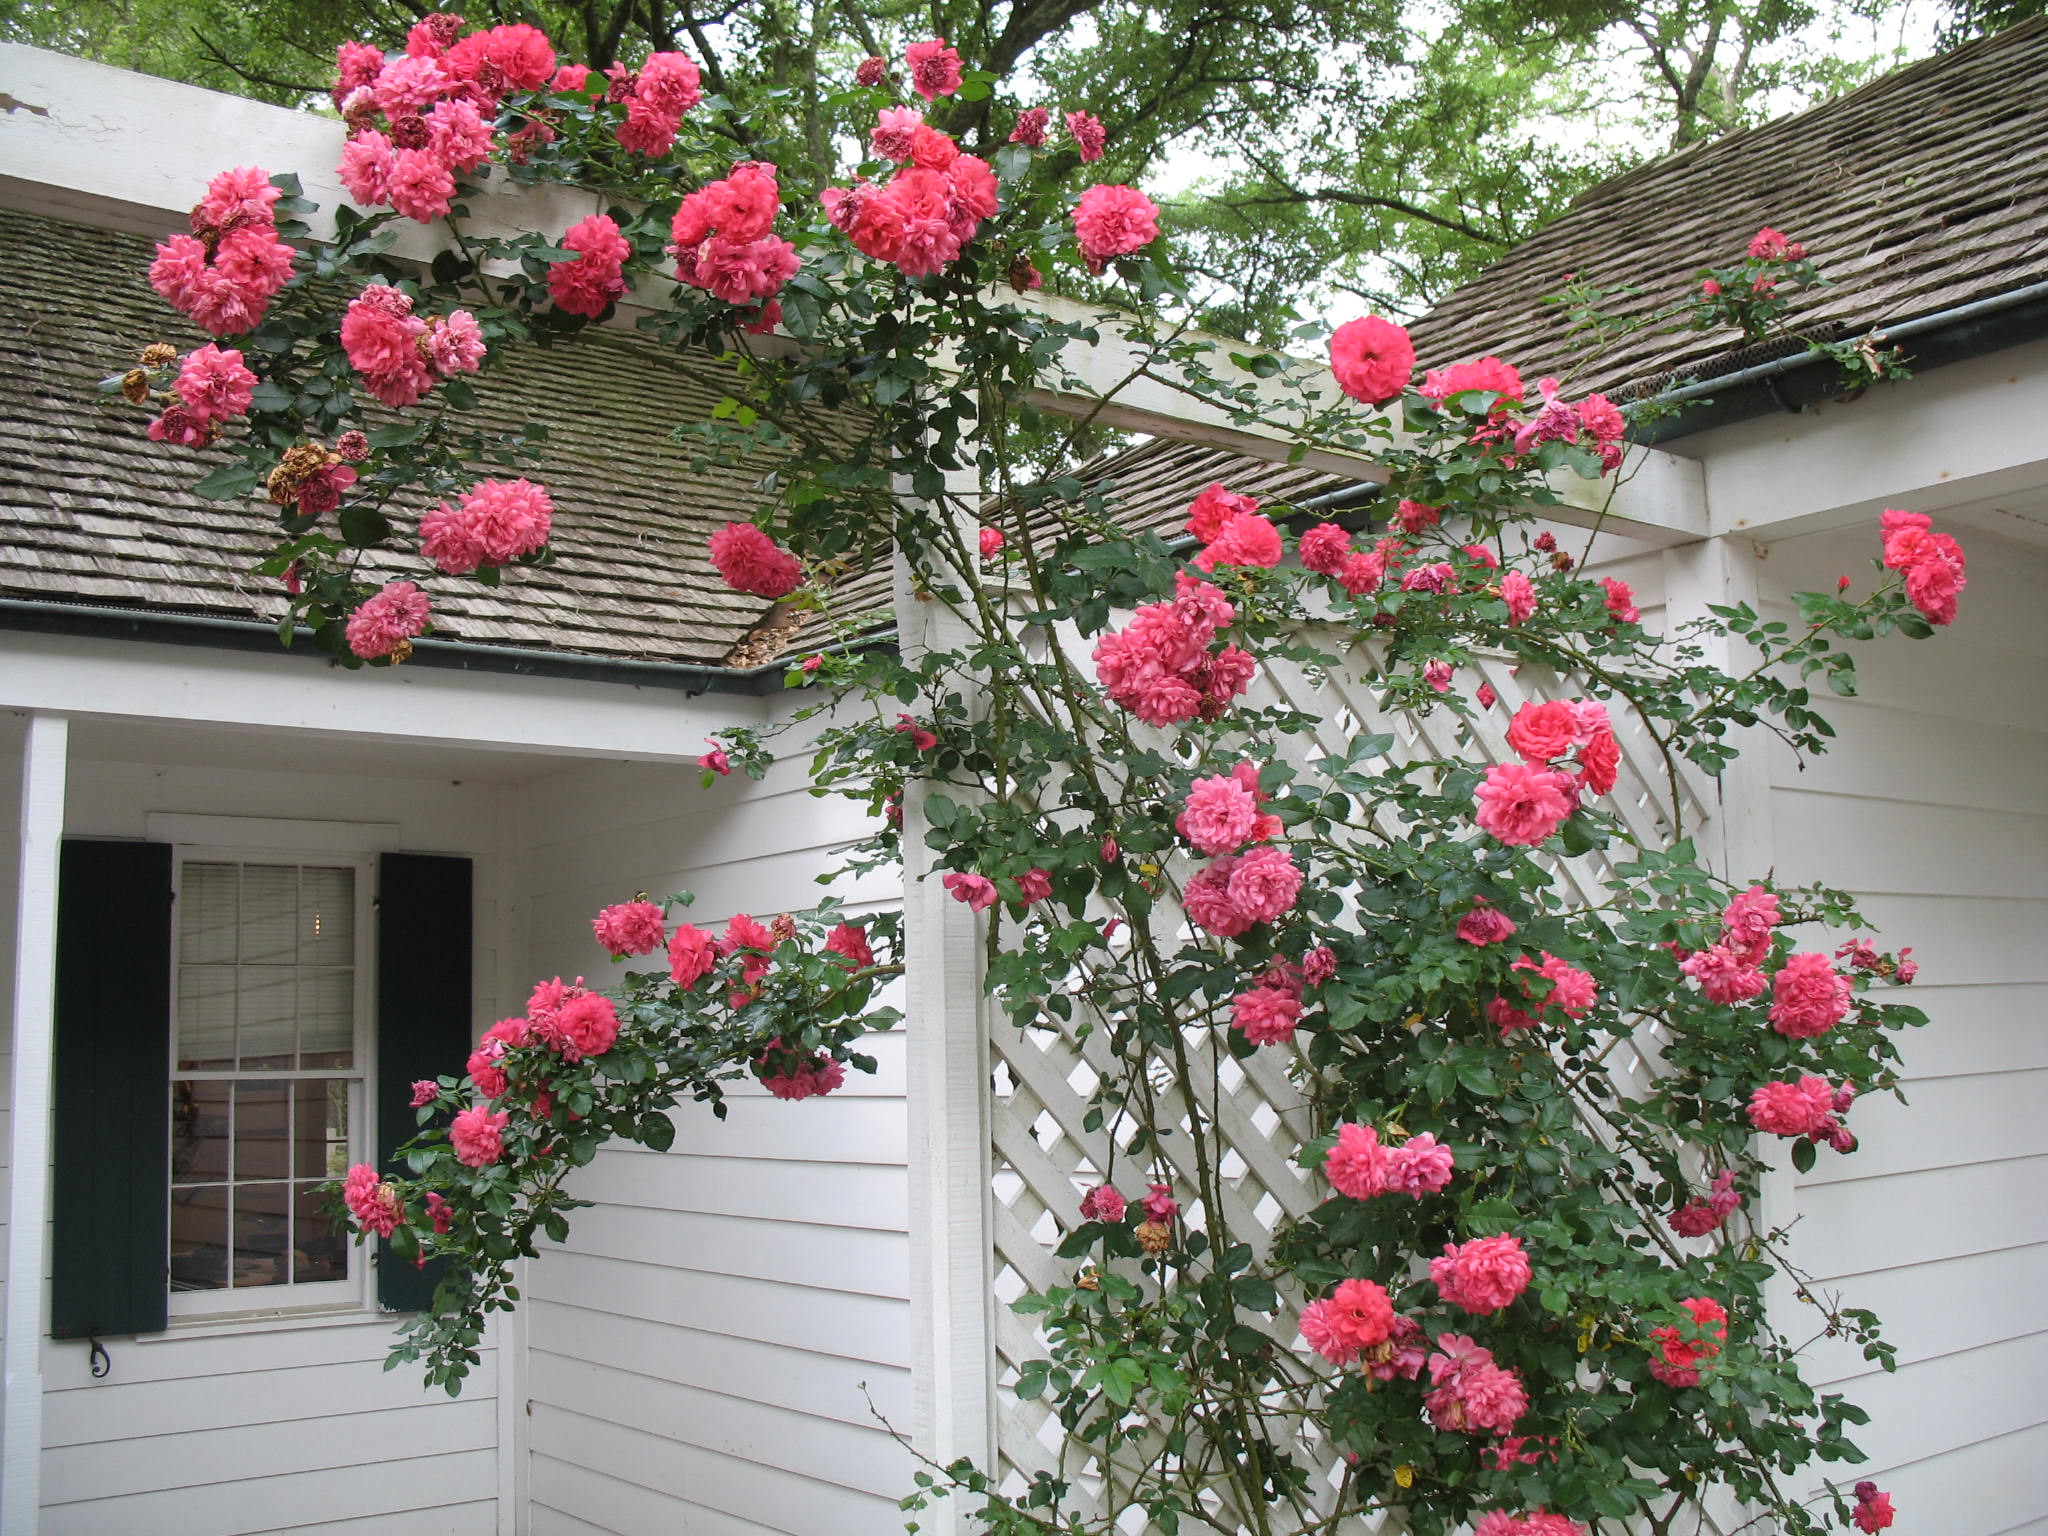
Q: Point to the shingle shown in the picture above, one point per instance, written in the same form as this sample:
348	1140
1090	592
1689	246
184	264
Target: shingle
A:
93	512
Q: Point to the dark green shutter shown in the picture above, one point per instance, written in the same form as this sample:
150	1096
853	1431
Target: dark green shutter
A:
423	1018
110	1184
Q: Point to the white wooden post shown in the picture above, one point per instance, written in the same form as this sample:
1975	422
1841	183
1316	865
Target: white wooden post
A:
951	1216
28	1195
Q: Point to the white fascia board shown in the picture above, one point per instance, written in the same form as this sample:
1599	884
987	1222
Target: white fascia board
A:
431	706
1965	433
116	149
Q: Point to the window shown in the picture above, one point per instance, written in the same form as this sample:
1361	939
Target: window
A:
221	1054
267	1074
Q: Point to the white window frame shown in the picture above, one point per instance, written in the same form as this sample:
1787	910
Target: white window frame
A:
261	840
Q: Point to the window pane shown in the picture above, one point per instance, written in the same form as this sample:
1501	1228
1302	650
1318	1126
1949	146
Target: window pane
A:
199	1238
262	1146
206	1017
199	1132
319	1130
270	914
327	1018
327	916
268	1004
262	1229
319	1247
206	914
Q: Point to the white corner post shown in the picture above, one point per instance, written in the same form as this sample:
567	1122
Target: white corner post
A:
28	1194
951	1233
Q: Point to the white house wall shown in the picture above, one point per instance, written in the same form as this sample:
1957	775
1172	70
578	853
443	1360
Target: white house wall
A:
216	1429
1933	811
701	1353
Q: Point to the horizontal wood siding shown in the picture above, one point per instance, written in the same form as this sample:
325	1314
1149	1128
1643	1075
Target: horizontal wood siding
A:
702	1354
220	1429
1933	810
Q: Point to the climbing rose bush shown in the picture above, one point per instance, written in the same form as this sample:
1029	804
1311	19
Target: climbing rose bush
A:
1524	1289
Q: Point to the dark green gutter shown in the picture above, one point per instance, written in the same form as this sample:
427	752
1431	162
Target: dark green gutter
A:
102	623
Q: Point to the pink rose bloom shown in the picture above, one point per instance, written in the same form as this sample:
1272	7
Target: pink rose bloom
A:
372	1202
891	136
1324	549
1599	763
1438	675
976	891
1372	359
1724	976
355	65
872	70
478	1135
1159	1203
1102	1203
1472	1395
521	55
1210	511
1113	221
1244	540
424	1091
1363	573
647	131
1571	989
1436	577
1804	1108
1873	1510
1485	923
716	760
992	542
1266	1015
569	79
850	942
1488	373
670	83
1320	1331
596	277
1222	814
1356	1165
418	185
1521	804
1414	516
691	954
1768	245
1681	1357
484	1071
1542	733
458	135
365	171
1264	883
585	1025
1483	1275
1030	127
811	1078
1360	1314
742	932
1034	885
214	385
455	343
492	523
1519	593
1420	1166
1809	997
751	562
934	68
408	85
1207	902
1318	966
1486	696
1088	134
391	616
630	928
1620	601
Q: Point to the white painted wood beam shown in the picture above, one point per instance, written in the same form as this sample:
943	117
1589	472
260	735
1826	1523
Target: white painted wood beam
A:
126	679
1967	434
111	148
43	760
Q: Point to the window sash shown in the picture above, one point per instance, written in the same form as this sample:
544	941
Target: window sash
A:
233	1300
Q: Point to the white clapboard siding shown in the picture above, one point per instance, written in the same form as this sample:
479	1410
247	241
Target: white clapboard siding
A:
1933	810
11	739
218	1429
701	1353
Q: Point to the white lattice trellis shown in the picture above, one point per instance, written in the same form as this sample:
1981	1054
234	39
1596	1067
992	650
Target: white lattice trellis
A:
1043	1155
